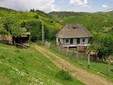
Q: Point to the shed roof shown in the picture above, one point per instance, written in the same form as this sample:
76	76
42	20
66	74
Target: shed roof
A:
73	31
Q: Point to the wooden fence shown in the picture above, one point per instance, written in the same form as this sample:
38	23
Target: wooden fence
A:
69	52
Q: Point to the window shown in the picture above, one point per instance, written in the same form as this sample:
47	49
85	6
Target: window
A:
67	40
74	27
58	40
83	40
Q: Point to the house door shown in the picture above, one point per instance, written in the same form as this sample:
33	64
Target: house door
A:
71	41
78	40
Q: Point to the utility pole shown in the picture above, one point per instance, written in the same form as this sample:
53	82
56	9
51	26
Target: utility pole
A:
43	30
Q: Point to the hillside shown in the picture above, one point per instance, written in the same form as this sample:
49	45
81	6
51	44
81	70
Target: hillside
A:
28	67
29	16
63	14
32	19
93	21
97	22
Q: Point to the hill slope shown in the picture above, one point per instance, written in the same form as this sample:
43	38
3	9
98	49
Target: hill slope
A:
28	67
33	21
29	16
93	21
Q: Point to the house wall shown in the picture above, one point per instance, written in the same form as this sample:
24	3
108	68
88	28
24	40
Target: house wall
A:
74	41
85	41
59	41
67	41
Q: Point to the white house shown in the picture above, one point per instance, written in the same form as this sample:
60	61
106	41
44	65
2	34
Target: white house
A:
73	35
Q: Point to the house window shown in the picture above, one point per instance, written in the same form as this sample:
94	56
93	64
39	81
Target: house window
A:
83	40
67	40
74	27
58	40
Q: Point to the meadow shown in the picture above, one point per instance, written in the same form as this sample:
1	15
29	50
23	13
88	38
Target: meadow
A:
29	67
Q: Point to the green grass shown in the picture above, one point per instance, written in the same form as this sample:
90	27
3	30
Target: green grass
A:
96	67
64	75
28	67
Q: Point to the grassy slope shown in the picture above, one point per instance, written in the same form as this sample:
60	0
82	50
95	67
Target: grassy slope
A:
30	16
28	66
93	21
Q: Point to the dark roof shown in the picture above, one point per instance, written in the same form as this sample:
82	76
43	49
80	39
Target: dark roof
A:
73	31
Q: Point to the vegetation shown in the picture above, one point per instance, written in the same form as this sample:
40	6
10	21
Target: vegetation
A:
97	67
64	75
31	20
28	66
25	65
100	24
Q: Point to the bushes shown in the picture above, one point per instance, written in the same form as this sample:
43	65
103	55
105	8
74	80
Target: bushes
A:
64	75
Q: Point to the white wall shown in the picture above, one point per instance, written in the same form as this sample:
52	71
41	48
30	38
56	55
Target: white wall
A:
63	41
85	41
74	41
58	39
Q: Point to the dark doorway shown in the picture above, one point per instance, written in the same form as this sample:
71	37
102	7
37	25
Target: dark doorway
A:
78	40
71	41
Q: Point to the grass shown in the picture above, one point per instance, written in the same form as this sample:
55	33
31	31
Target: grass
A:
96	67
28	67
64	75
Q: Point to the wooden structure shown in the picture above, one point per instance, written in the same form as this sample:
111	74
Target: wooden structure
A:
73	35
7	39
22	40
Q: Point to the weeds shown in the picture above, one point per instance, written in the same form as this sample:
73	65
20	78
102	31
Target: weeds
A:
64	75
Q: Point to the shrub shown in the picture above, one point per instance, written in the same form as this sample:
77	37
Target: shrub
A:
64	75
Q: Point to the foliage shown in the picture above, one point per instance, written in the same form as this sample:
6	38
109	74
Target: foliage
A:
98	23
11	27
64	75
102	43
30	20
97	67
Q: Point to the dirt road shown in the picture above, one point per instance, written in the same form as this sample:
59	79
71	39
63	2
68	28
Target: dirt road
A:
76	72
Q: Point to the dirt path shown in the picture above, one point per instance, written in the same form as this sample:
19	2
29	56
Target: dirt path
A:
76	72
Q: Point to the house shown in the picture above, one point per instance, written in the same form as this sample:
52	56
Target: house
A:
73	35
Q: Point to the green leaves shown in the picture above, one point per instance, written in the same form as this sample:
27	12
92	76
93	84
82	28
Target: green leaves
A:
11	27
102	43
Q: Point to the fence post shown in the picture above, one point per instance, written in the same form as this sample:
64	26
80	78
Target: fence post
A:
88	61
108	67
77	56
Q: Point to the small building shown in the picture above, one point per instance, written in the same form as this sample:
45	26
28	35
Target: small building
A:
22	40
73	35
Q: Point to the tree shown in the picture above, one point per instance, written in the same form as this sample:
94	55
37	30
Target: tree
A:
103	46
11	27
